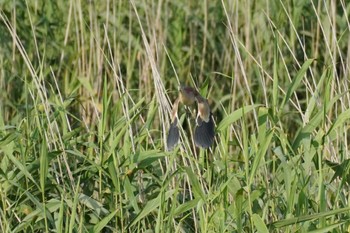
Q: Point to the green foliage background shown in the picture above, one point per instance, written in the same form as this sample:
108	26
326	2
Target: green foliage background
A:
87	88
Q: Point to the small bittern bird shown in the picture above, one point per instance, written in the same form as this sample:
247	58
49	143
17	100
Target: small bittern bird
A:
204	131
187	95
174	134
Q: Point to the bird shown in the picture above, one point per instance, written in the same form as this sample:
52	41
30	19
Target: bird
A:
174	134
204	132
205	129
187	95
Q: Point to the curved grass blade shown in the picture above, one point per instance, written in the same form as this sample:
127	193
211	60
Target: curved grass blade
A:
295	82
233	117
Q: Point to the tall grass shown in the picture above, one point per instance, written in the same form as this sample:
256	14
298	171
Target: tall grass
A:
87	89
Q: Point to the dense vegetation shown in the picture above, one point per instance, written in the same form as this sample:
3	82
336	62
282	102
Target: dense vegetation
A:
87	88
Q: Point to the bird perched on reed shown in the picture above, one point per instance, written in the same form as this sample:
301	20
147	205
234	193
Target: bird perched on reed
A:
204	132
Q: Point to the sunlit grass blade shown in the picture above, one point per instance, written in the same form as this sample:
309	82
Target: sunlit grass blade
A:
275	80
295	220
237	114
183	208
60	218
196	187
295	83
316	97
43	165
22	170
341	119
259	224
74	209
151	205
329	228
264	145
102	224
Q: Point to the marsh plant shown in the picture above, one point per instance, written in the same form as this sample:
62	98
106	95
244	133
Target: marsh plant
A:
85	109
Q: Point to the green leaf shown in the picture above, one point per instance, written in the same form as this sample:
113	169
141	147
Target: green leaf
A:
275	79
315	97
43	164
239	209
146	158
344	116
314	123
99	226
196	187
233	117
181	209
85	82
151	205
131	198
223	75
204	87
295	220
264	145
295	82
328	228
74	208
259	224
59	221
8	138
93	204
22	168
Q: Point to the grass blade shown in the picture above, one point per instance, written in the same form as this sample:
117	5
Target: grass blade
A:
233	117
